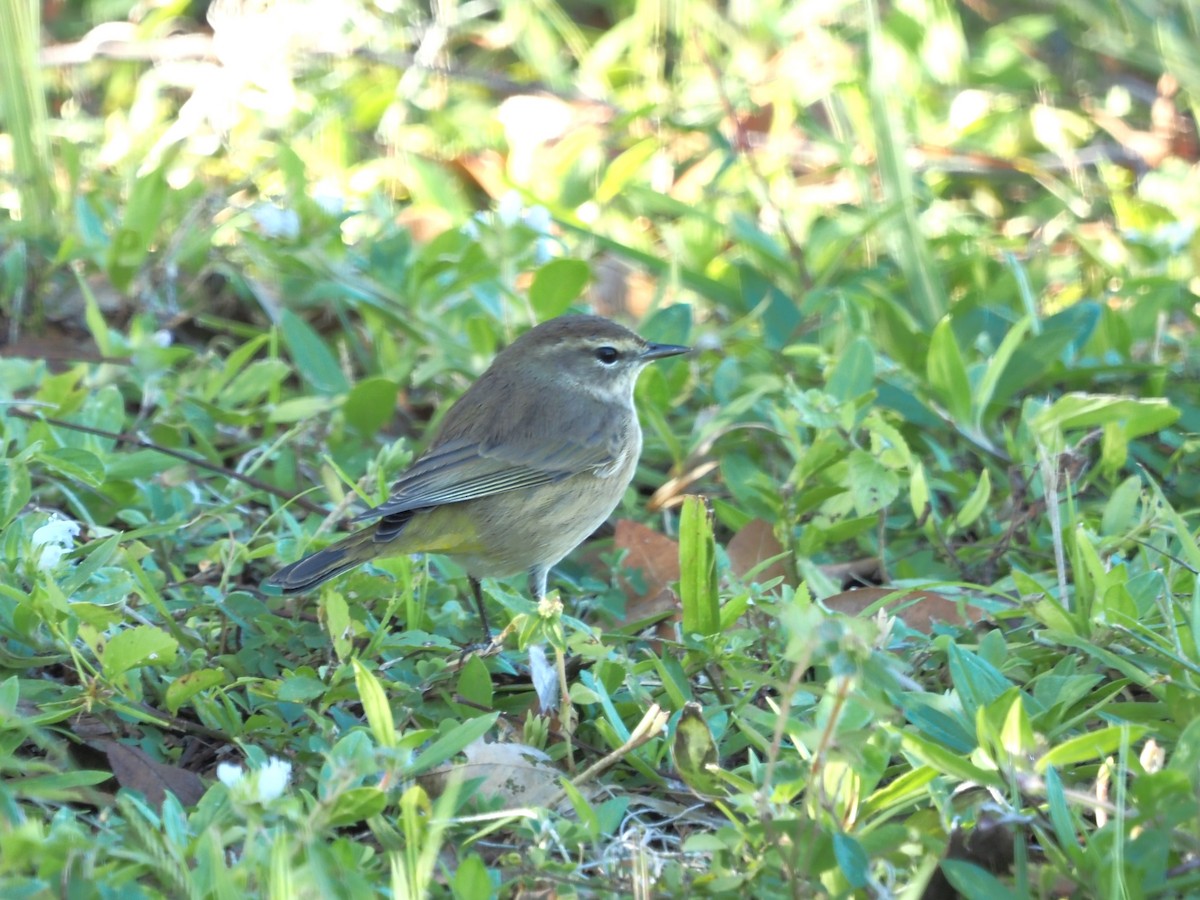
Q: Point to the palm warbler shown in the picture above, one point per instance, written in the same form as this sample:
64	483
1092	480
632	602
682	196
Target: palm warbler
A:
529	462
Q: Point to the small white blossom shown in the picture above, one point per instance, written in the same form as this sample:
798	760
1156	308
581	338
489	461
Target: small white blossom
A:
163	338
331	200
55	540
277	222
538	218
508	210
273	779
230	774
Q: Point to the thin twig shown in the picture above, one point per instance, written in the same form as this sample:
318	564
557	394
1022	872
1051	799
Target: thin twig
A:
652	723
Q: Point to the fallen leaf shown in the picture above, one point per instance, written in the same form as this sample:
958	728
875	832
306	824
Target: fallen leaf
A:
518	774
921	608
656	556
136	770
754	544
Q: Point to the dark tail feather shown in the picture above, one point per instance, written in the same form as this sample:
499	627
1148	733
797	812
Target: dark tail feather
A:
325	564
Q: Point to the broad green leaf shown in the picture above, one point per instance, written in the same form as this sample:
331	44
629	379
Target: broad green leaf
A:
375	706
471	880
188	685
947	761
698	569
854	373
371	404
1138	416
315	363
625	167
1066	828
71	462
475	682
976	503
336	614
996	366
872	484
1090	746
138	231
138	646
852	859
978	682
947	372
918	492
694	751
254	383
557	285
15	489
452	742
975	883
356	805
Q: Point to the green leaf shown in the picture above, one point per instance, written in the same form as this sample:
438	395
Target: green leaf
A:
1092	745
139	230
452	742
475	682
624	168
375	706
15	489
996	366
336	614
975	883
471	879
852	859
1066	828
1137	416
947	373
187	686
978	682
356	805
872	484
314	361
947	761
301	689
698	569
557	285
694	751
80	465
854	374
370	405
139	646
976	503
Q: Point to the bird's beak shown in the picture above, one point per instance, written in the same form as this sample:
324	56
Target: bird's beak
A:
661	351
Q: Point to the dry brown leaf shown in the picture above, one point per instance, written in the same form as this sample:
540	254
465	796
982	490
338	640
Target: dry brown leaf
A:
137	770
520	775
919	614
656	556
753	545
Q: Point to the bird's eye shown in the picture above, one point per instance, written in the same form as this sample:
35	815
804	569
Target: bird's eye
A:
607	355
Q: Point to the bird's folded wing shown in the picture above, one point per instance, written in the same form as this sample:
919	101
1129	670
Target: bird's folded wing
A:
459	470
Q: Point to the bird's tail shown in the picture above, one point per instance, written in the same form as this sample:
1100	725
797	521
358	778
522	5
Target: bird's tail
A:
325	564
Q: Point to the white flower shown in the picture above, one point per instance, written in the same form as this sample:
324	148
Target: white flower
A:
331	200
538	218
277	222
508	210
163	338
55	540
230	774
273	778
264	785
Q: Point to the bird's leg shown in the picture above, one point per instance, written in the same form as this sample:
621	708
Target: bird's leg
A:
477	590
537	582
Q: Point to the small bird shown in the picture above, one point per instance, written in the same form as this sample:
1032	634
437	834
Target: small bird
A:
528	462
